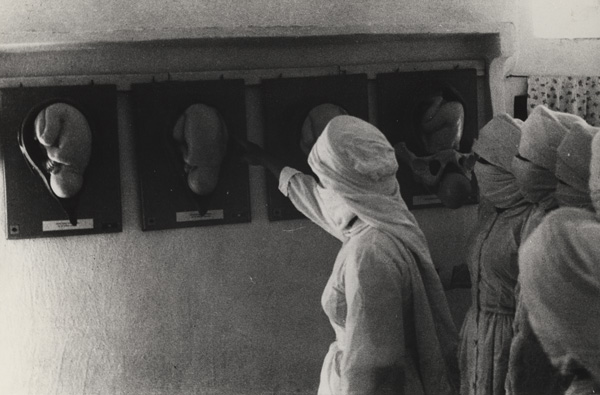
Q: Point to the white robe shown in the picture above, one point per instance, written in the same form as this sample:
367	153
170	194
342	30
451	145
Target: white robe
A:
369	300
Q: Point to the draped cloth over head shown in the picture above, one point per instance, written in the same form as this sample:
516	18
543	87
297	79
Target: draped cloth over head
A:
595	173
573	166
543	131
355	160
498	143
560	286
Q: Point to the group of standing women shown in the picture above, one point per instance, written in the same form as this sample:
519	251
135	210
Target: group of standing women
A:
526	332
384	299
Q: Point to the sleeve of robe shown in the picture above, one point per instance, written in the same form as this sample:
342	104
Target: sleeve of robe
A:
301	189
373	346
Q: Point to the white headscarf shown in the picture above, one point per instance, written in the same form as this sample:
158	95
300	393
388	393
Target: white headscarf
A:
573	166
355	160
498	143
543	131
595	173
560	286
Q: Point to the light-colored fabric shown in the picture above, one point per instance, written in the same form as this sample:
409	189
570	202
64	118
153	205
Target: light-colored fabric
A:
571	94
318	204
573	166
313	201
498	186
574	156
487	331
583	387
529	369
498	143
542	133
563	303
354	160
498	140
537	184
595	173
369	302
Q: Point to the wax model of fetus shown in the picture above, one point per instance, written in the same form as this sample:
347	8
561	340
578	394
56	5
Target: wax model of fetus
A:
65	135
435	160
314	123
201	137
441	124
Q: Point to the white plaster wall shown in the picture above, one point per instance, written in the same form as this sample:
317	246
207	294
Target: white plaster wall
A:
35	21
537	56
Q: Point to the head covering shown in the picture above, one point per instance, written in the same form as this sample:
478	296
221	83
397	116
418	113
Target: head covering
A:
538	185
560	286
543	131
498	143
573	166
595	173
355	160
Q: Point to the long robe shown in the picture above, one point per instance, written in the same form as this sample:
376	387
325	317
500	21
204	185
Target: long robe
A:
374	300
487	331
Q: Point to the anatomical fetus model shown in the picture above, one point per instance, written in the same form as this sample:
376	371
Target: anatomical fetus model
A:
57	144
435	160
201	137
67	138
314	123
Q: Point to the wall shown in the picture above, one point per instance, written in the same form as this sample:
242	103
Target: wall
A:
225	310
215	310
53	21
537	56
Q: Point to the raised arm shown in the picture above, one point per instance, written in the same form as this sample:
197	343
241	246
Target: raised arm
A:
300	188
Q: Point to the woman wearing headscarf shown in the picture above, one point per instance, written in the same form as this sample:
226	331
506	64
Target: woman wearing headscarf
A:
562	304
529	371
550	169
504	213
384	299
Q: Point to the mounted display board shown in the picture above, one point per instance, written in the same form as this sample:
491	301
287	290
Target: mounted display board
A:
397	96
287	102
33	209
167	200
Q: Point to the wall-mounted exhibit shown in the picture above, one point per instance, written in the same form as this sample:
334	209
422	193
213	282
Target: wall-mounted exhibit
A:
189	174
431	118
61	160
295	112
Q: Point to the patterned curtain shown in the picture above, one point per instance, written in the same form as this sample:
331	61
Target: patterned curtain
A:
574	95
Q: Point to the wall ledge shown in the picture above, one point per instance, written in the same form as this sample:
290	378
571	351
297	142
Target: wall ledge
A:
43	41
